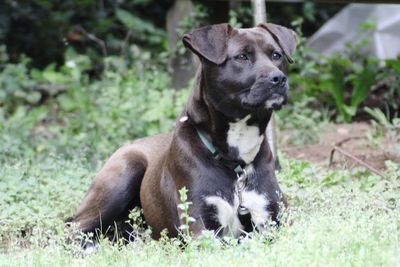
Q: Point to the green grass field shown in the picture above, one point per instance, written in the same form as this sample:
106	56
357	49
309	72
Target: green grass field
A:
339	218
49	154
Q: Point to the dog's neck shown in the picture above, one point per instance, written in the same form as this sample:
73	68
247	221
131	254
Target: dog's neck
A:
237	138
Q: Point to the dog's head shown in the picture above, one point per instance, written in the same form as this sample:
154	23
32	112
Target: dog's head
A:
243	67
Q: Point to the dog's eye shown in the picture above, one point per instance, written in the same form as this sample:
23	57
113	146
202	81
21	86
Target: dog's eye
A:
276	56
241	57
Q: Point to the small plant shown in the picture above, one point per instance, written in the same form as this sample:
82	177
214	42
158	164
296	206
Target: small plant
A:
382	119
383	124
137	225
303	121
186	219
375	136
393	170
359	79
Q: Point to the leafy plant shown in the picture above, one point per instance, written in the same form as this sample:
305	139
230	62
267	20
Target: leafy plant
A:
144	30
382	119
45	30
74	112
184	214
347	81
303	120
359	79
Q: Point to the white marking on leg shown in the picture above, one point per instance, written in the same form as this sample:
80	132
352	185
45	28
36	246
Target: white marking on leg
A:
257	205
246	139
226	215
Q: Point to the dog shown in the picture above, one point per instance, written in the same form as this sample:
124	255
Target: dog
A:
218	150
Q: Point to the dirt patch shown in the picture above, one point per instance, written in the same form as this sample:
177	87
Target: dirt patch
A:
356	139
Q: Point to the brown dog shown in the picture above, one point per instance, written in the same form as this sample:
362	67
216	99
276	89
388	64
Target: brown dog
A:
218	150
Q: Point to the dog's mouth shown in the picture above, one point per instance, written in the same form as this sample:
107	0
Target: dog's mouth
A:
274	101
263	94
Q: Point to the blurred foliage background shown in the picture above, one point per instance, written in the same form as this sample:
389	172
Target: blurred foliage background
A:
89	75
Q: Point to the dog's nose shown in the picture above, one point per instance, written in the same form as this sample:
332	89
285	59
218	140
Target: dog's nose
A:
277	78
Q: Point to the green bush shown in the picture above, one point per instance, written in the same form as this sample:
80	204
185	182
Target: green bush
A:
94	117
44	30
345	81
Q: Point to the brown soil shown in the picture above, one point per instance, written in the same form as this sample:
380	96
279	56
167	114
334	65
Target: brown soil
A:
352	138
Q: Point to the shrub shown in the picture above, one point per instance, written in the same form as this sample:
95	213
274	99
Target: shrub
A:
347	81
94	117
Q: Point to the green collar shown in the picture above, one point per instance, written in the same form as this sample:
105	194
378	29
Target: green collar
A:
216	154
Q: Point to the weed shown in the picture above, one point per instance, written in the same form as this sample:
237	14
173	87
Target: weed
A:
184	216
304	122
383	121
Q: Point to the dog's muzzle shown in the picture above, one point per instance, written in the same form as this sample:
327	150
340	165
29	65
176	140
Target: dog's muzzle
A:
270	92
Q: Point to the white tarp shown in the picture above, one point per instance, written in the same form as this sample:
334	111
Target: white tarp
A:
344	27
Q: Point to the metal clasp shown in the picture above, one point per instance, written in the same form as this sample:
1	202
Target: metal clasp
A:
240	185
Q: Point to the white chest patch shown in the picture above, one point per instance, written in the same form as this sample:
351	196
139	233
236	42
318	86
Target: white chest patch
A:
245	138
227	214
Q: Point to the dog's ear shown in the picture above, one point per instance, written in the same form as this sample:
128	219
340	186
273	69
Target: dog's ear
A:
286	38
209	42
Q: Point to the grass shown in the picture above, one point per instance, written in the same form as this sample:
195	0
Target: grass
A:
49	154
340	218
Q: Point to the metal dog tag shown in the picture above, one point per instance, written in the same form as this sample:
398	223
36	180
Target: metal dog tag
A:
242	210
